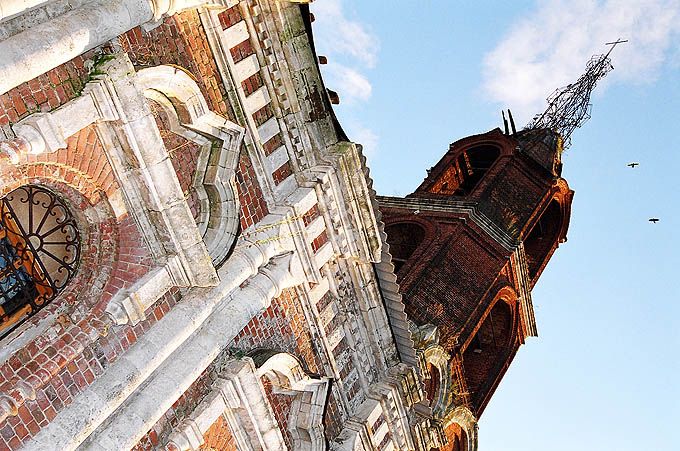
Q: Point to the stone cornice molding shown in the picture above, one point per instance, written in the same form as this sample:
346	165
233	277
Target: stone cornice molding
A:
45	46
465	209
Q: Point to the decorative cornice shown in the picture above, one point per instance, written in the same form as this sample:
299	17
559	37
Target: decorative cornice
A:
465	209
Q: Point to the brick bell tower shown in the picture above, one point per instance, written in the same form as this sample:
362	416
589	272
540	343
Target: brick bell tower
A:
468	246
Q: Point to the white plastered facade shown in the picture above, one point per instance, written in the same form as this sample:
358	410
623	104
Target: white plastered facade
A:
379	397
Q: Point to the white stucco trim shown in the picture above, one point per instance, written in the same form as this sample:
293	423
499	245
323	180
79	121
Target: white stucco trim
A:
305	419
47	45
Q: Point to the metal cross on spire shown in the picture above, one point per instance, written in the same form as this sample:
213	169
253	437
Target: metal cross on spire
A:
569	107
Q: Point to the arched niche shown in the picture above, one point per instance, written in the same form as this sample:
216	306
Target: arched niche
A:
403	238
177	94
466	170
457	438
460	426
309	397
438	386
487	350
432	383
543	237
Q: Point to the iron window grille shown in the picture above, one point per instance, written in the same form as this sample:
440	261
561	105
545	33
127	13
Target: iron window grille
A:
39	252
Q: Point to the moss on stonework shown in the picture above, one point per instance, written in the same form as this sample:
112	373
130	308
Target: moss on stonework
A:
295	27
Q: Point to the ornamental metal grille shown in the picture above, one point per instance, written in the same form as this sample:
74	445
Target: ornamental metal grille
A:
39	252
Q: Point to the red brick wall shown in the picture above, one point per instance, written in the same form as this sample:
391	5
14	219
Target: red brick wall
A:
183	155
80	346
281	406
253	206
43	93
181	40
512	197
218	437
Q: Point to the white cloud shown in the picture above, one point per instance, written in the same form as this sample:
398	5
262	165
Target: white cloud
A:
342	36
549	48
352	50
351	85
364	136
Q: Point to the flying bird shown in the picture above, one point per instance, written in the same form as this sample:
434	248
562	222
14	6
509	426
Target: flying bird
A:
654	220
632	165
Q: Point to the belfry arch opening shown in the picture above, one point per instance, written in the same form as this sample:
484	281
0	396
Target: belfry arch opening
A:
457	438
487	349
432	384
403	238
466	171
543	236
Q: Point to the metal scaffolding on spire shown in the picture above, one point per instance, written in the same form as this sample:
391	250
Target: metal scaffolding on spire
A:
569	107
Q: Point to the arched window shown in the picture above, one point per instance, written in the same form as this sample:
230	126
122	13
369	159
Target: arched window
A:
542	238
456	437
403	238
466	171
477	162
487	349
432	384
39	252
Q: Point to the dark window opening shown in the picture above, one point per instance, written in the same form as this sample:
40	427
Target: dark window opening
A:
487	349
403	238
432	384
467	171
542	238
39	252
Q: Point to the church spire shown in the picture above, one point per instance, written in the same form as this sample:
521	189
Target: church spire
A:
569	107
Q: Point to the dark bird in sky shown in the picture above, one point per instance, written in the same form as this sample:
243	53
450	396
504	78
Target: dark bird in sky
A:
654	220
632	165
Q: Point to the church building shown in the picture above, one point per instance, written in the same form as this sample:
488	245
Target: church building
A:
192	255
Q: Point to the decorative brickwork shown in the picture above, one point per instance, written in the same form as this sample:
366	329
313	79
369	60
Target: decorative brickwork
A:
263	114
230	17
241	51
272	144
333	418
252	84
253	206
319	241
311	215
181	40
282	173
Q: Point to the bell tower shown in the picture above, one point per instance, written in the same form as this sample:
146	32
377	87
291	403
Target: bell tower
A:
468	246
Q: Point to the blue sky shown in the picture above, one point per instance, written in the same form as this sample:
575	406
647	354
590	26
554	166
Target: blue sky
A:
416	76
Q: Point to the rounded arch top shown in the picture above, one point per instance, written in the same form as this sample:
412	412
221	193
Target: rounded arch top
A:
463	423
548	228
180	87
181	99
